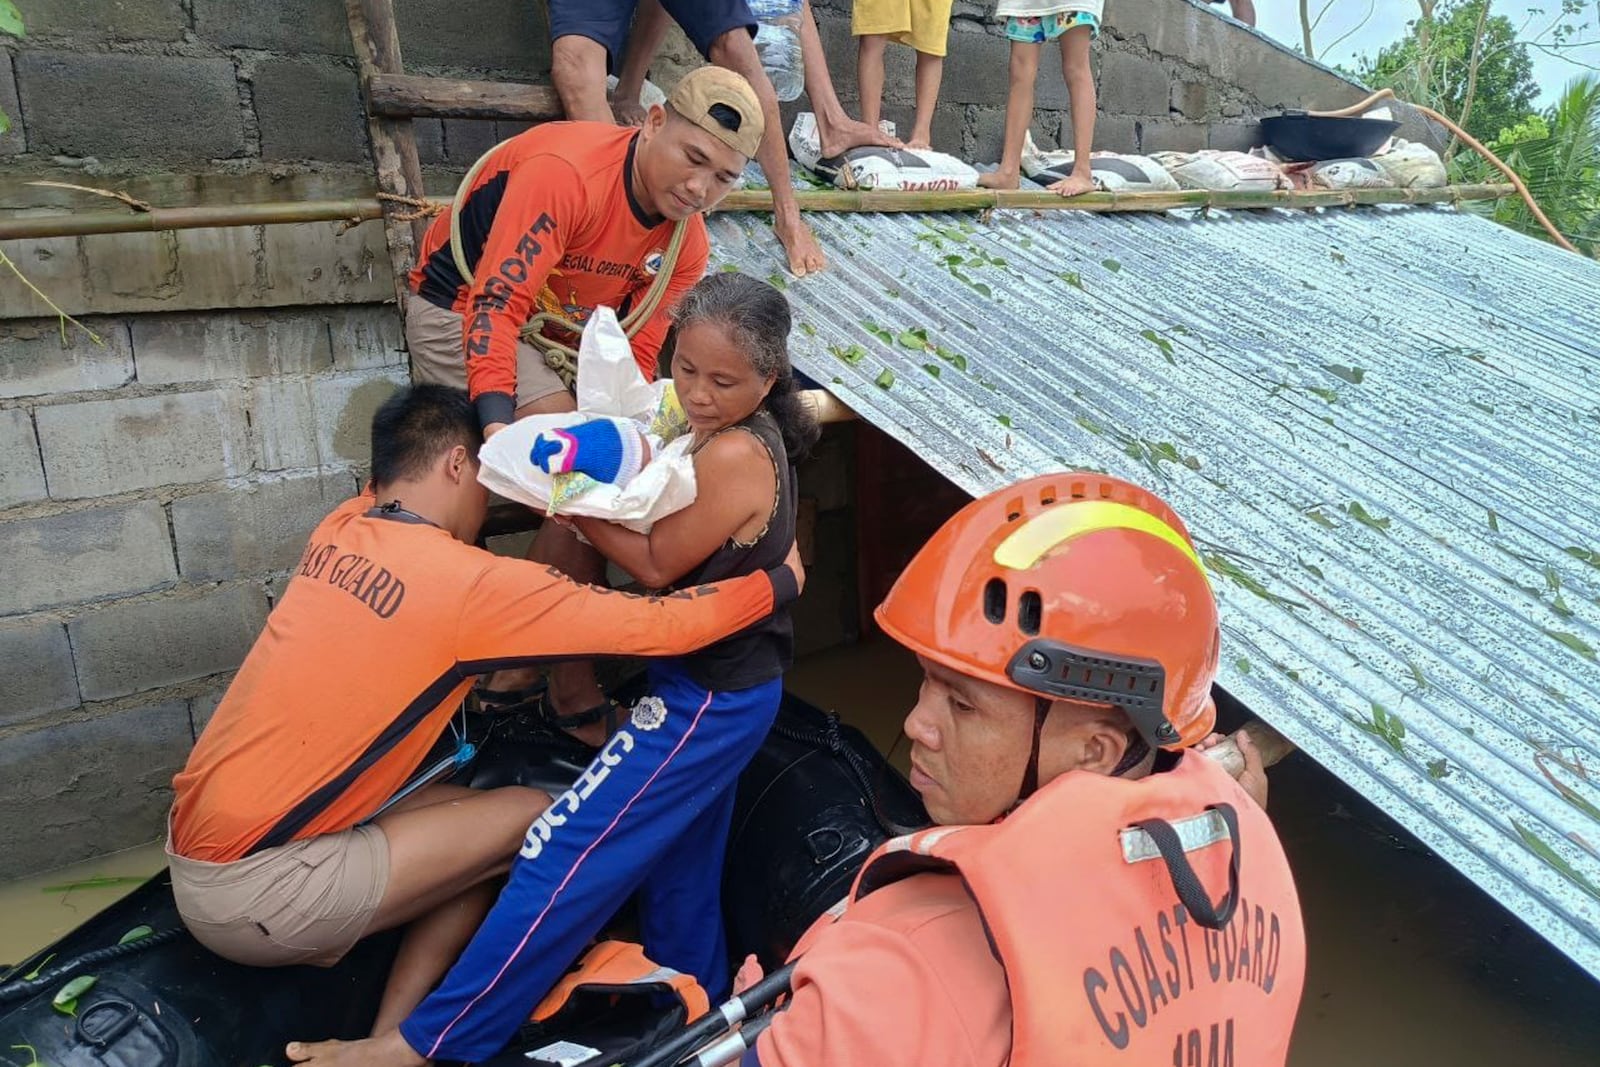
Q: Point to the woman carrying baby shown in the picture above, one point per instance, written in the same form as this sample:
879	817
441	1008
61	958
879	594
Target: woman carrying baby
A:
651	813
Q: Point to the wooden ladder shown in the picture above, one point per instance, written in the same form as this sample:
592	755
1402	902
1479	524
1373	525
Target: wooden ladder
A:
393	98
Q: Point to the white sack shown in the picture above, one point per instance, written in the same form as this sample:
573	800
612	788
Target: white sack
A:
1222	171
1111	172
872	167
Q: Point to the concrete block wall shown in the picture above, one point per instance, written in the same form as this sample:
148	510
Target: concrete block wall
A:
155	490
230	84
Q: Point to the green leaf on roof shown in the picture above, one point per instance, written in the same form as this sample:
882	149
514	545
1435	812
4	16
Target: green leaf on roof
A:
1487	409
1541	848
1416	673
1312	569
1111	265
777	281
931	368
1353	375
1072	278
1003	420
808	329
1494	521
1385	726
1574	642
909	339
1160	342
1589	556
1438	769
1316	516
1236	573
884	379
728	268
955	359
1242	664
1328	395
877	331
1089	424
983	290
1367	518
851	354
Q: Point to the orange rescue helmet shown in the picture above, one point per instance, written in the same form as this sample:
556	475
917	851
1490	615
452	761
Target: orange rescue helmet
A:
1071	586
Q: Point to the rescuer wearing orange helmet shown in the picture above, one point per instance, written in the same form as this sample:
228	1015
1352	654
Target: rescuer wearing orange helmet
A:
1093	893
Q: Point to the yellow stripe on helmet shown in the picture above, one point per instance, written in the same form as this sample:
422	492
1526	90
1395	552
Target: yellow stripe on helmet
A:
1073	518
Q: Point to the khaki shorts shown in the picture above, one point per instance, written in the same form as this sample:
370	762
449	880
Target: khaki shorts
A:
305	902
434	336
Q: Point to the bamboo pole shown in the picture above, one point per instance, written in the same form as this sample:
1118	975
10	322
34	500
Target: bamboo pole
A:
1037	200
20	227
394	141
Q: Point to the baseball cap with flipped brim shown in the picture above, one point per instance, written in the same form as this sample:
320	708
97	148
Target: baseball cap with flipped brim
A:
722	103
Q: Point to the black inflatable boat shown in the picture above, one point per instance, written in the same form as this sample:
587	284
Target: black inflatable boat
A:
813	803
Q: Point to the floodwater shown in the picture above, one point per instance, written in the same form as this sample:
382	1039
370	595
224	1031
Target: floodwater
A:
1410	963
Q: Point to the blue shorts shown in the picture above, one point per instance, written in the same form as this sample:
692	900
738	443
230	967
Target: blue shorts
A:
607	22
649	814
1039	29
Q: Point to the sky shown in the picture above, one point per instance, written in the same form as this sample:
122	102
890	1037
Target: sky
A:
1281	19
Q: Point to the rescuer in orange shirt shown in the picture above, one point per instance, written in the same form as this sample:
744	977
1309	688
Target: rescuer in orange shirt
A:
1093	893
279	853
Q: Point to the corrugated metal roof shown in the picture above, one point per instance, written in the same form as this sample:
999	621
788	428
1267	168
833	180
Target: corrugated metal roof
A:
1383	426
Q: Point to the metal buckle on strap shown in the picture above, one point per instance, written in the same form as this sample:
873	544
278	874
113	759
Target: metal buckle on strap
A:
1195	833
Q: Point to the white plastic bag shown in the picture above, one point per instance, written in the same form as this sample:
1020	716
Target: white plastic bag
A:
1413	166
872	167
650	93
1354	173
1222	171
1112	172
609	383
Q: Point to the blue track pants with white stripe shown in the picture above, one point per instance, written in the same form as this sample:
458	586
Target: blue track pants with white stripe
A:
650	813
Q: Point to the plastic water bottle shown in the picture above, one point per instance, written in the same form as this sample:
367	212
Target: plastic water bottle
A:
778	45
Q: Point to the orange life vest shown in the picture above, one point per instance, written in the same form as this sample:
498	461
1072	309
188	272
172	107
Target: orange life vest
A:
1107	960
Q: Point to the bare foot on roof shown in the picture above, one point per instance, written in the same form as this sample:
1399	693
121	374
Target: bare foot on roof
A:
1073	185
920	144
805	254
388	1050
848	134
1000	179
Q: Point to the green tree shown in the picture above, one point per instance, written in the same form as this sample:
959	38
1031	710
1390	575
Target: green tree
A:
1558	154
1461	60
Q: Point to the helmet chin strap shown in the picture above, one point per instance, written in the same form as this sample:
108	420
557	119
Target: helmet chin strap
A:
1132	756
1030	776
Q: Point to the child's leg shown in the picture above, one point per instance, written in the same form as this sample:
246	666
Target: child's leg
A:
930	72
1080	88
1019	113
869	75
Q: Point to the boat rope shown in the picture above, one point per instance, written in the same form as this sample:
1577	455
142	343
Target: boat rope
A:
27	987
832	739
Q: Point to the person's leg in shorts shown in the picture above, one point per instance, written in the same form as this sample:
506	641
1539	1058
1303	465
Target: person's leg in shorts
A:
929	34
429	863
874	23
586	43
1075	32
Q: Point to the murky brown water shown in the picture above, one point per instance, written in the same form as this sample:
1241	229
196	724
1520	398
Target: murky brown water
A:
1411	964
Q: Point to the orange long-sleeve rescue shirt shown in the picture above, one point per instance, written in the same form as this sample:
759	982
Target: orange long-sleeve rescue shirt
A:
551	224
380	633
